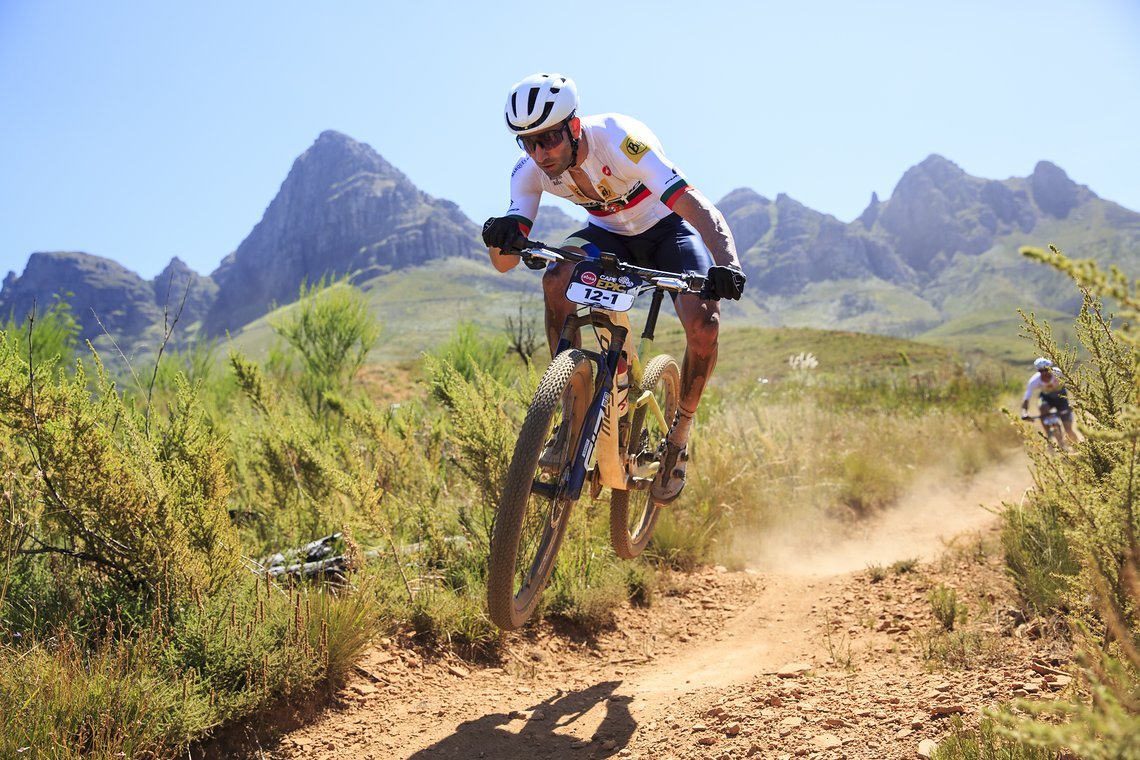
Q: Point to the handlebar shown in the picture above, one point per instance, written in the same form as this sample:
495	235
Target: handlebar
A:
686	282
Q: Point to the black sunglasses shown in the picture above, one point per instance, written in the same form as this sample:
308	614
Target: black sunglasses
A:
546	140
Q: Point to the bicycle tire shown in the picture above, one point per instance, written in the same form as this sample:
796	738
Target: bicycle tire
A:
529	528
631	530
1056	436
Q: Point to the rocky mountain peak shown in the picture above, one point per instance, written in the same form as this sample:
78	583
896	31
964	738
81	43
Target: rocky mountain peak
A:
342	210
751	215
178	287
871	213
1053	191
103	294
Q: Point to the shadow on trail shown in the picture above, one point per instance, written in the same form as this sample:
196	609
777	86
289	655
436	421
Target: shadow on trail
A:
549	730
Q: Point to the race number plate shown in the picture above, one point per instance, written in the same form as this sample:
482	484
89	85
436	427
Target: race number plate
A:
590	286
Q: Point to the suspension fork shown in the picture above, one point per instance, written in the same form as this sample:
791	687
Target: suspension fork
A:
606	362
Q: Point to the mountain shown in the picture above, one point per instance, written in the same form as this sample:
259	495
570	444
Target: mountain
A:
943	247
940	254
342	210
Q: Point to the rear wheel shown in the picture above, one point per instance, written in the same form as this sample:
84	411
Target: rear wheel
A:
633	514
529	526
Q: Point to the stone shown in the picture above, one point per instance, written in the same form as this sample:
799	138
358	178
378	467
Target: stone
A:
793	669
826	741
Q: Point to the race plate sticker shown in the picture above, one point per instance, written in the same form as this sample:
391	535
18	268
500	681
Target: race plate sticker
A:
590	286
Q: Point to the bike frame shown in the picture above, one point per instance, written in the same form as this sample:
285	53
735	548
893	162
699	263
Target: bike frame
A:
601	439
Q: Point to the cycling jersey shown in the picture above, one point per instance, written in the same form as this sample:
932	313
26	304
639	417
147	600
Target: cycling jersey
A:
1037	383
626	167
1053	393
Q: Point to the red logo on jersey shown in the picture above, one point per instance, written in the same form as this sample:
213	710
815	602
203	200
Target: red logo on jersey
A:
606	170
589	278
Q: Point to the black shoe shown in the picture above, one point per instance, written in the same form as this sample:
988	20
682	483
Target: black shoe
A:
670	480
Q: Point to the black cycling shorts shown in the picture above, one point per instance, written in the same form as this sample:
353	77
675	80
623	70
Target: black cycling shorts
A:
671	245
1057	401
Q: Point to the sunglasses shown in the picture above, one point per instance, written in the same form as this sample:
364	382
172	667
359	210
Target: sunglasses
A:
546	140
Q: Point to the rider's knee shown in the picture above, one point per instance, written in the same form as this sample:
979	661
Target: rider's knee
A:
703	333
554	283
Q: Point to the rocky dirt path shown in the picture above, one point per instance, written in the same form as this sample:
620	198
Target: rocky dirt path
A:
831	655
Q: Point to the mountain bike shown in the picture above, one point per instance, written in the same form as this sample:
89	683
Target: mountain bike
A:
598	419
1053	427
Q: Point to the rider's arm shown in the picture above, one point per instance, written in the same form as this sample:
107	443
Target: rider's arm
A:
1031	386
642	156
699	211
526	189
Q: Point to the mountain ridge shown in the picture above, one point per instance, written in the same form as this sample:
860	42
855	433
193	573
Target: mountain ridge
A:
941	244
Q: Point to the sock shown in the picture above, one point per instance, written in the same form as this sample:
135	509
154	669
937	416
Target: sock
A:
679	433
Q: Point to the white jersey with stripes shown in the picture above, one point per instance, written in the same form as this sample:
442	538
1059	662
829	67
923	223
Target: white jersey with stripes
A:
626	167
1039	384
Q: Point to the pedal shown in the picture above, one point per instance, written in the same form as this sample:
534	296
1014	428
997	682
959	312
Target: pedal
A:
644	472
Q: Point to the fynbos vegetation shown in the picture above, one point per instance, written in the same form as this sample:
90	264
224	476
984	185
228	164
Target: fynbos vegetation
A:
137	617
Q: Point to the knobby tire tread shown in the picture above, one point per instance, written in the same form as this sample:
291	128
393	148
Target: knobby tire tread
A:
506	535
629	544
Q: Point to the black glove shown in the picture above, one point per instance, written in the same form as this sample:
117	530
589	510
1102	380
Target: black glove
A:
502	233
723	282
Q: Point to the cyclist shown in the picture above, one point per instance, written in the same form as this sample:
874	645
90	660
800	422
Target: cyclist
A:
1046	380
641	208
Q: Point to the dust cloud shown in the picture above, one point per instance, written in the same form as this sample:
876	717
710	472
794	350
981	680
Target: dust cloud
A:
940	507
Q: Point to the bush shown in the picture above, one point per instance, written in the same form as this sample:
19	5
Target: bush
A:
1079	525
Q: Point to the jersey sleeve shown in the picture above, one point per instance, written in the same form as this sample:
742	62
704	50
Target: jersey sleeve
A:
642	156
1031	386
526	191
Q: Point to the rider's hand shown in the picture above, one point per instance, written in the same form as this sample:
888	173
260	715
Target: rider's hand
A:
502	233
723	282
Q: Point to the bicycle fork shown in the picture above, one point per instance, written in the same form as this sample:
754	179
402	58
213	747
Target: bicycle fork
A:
595	424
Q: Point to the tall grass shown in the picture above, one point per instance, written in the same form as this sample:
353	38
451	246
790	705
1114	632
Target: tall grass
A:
787	454
149	613
1072	544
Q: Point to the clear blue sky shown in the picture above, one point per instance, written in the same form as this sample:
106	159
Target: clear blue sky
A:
145	130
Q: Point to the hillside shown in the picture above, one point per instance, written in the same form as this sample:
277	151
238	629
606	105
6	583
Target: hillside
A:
942	249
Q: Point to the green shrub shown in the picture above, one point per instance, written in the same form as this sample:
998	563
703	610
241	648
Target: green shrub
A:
944	604
1075	538
139	510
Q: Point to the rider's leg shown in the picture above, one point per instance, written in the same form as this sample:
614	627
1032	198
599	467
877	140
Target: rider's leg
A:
701	320
554	281
1070	432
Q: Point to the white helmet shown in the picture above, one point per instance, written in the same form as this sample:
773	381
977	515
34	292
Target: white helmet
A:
539	102
1042	363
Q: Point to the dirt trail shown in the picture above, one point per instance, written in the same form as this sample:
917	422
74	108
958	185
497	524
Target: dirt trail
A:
697	674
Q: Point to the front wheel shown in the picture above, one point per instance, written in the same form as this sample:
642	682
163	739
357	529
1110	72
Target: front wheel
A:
529	526
631	528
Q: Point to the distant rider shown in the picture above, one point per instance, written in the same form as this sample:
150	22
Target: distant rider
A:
641	209
1046	380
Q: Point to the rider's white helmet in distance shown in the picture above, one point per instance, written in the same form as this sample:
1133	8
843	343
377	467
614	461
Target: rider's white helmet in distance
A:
1042	363
540	102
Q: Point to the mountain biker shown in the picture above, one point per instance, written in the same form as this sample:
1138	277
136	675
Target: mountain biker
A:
1046	379
641	208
